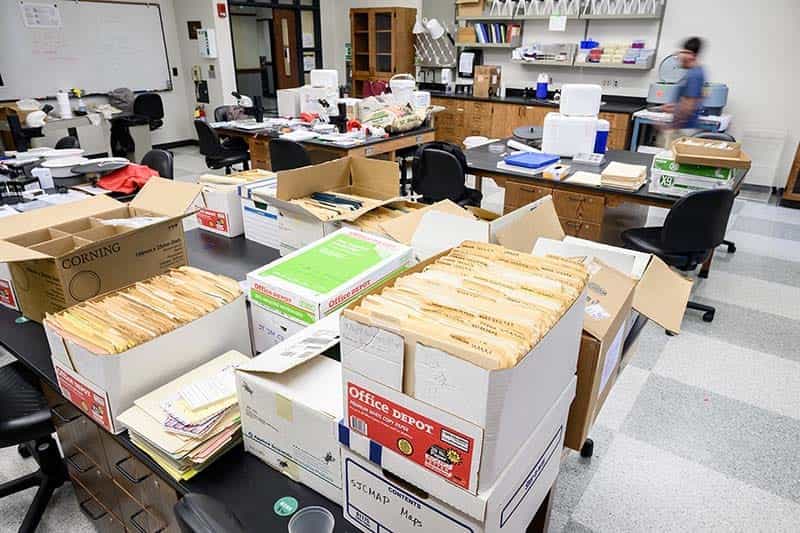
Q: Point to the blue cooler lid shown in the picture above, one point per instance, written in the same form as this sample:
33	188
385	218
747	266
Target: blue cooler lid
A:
532	159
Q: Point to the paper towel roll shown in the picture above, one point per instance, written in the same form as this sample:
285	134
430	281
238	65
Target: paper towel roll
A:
64	109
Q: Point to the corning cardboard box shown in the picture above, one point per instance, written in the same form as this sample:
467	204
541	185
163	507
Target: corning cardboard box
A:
377	180
383	491
61	255
223	213
291	400
104	386
314	281
473	419
634	283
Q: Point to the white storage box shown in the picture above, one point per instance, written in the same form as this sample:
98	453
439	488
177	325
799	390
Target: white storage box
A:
679	179
223	213
271	328
290	407
310	97
374	501
260	223
482	416
324	78
566	136
289	102
314	281
104	386
580	100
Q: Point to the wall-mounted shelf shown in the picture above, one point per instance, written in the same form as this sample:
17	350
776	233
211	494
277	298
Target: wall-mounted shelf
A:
542	63
622	17
621	66
515	44
544	17
493	18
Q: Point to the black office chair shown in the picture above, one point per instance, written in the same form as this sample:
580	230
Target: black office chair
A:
693	228
197	513
161	161
287	155
719	136
217	155
25	419
150	105
438	174
68	142
21	135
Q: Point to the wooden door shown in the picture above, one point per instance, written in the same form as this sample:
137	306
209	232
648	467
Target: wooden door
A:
287	66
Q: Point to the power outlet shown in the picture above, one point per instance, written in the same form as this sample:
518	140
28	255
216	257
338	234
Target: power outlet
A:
611	84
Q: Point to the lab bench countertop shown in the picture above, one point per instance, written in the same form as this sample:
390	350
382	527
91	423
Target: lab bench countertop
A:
613	104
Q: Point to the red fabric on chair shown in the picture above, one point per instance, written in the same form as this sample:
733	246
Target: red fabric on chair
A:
127	180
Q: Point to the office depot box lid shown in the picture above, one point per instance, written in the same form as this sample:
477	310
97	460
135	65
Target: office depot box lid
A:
508	505
444	225
659	293
374	180
710	152
325	275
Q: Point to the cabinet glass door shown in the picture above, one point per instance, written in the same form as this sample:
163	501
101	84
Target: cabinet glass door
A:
361	45
384	43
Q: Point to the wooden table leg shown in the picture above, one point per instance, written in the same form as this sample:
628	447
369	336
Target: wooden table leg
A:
541	520
704	270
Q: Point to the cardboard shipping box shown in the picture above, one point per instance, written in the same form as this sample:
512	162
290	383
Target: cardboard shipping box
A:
104	386
487	81
470	8
61	255
384	491
622	284
710	152
480	416
373	179
290	398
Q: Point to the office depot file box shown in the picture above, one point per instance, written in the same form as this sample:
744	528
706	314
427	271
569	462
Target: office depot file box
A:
61	255
222	213
384	491
291	403
478	418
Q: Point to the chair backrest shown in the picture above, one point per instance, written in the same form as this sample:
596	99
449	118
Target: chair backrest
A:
222	113
697	222
286	155
208	139
161	161
715	135
438	174
21	141
68	142
149	105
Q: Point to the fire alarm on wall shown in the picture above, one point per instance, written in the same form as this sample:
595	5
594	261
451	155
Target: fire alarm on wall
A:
222	10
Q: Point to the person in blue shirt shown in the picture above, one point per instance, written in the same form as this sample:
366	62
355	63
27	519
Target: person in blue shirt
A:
689	102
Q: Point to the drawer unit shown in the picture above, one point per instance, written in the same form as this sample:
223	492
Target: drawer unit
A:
103	520
159	499
519	194
579	206
93	479
126	470
581	229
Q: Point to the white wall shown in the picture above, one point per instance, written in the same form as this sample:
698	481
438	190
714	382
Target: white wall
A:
749	46
335	17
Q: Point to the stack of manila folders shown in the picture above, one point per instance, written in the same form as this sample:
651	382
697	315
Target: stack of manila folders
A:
189	422
617	175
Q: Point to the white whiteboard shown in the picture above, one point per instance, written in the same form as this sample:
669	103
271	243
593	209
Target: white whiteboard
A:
100	46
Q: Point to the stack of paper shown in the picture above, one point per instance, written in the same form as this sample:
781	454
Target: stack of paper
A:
126	318
237	178
490	304
186	424
624	176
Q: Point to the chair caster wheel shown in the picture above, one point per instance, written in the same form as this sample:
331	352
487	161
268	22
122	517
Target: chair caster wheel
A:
731	248
24	451
668	333
587	450
708	316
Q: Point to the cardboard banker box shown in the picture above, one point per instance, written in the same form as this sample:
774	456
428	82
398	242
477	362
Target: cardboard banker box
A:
290	398
622	283
449	416
374	180
61	255
383	491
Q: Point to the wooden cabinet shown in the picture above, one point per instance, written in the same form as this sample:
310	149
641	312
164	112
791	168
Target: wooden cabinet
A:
115	490
578	206
620	130
792	189
382	44
519	194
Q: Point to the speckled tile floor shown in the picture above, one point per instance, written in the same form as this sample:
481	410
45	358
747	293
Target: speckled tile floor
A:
700	432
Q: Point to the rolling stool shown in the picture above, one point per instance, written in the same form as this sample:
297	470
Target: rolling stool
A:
25	419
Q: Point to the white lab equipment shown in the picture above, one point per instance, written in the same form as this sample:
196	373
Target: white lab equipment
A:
566	136
402	86
311	100
580	99
324	77
289	102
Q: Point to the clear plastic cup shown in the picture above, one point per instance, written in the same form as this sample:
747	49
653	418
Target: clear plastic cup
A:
313	519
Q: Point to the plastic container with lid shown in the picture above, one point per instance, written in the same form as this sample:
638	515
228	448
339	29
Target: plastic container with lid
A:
402	86
601	138
580	99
